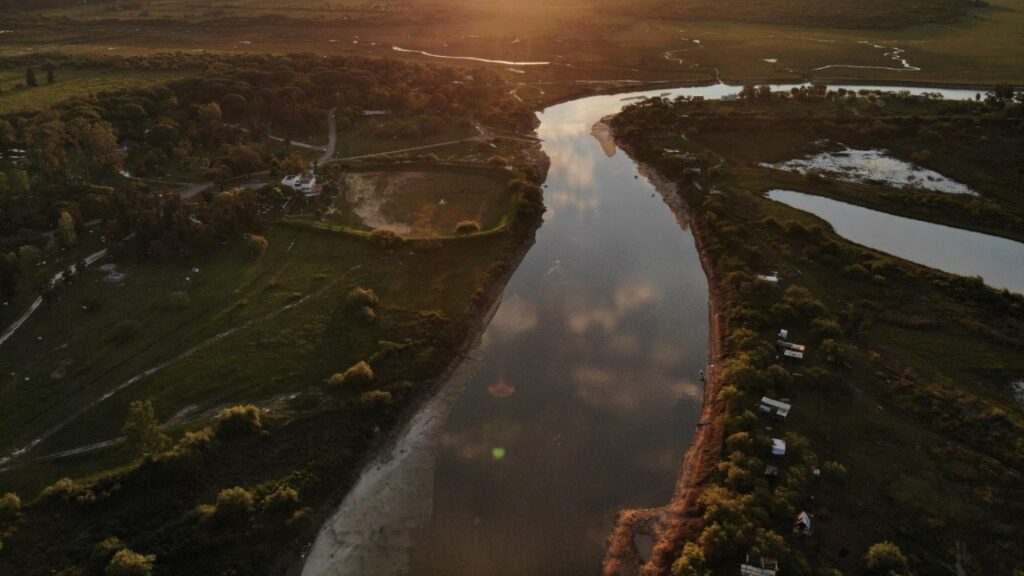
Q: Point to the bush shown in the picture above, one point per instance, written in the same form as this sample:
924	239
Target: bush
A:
886	559
10	504
66	490
376	399
238	421
856	271
128	563
467	227
366	315
835	471
234	506
357	375
385	238
360	297
824	328
256	246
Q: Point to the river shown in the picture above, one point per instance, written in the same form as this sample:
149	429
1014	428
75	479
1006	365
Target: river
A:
580	400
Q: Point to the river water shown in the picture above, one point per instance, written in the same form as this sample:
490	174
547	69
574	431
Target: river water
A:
999	261
580	400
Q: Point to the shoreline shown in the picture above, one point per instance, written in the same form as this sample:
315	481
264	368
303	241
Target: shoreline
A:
672	525
477	318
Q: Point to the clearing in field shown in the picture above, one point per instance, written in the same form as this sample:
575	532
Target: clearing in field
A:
423	204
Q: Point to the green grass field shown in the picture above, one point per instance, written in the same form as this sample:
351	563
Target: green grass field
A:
71	83
251	331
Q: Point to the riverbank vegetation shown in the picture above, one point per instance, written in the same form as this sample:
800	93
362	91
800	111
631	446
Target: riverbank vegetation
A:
905	445
199	398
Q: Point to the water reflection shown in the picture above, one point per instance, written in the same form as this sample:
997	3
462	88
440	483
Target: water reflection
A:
603	361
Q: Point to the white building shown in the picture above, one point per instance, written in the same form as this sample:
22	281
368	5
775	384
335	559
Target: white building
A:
304	182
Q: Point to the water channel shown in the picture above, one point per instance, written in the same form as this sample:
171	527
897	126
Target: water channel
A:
580	400
999	261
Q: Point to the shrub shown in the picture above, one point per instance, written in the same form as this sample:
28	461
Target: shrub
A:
886	559
141	428
238	421
856	271
10	504
256	246
66	490
234	506
103	552
366	315
281	503
385	238
376	399
356	375
359	297
128	563
467	227
824	328
878	280
834	471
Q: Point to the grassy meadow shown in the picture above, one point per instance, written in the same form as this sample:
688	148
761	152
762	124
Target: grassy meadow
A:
584	41
250	331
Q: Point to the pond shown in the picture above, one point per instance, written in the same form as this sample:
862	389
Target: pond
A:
999	261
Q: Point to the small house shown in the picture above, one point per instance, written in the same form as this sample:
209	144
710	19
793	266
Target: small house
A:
778	447
802	524
771	471
772	278
762	567
774	408
304	182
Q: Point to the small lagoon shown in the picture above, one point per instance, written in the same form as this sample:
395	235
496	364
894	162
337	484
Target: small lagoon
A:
999	261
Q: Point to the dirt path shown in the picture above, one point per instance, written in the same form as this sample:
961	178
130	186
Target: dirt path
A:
6	460
332	136
57	278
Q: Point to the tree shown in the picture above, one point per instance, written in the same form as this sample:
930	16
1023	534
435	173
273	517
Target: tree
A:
691	562
7	134
66	233
886	559
357	375
234	506
999	94
128	563
256	245
142	430
30	78
10	505
238	421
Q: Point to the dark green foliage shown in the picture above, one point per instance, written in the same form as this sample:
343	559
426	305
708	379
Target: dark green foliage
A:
238	421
